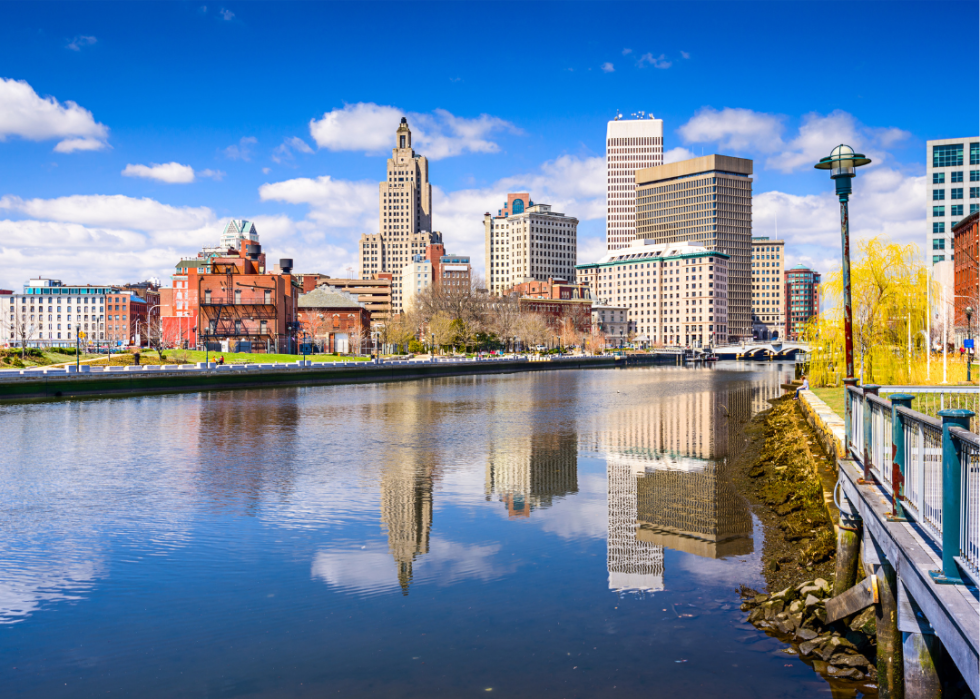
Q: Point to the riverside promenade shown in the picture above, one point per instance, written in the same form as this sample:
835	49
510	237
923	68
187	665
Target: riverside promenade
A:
909	494
92	381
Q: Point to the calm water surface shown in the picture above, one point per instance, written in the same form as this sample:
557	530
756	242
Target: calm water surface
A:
566	534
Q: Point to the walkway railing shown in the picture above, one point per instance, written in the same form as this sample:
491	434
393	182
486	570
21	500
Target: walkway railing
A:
930	467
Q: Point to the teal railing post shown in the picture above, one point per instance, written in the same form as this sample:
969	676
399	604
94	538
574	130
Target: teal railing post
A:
869	390
952	497
848	428
899	400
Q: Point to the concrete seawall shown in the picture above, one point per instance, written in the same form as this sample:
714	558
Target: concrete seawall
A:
131	380
828	425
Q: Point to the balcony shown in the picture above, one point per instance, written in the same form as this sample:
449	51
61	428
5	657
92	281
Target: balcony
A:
238	299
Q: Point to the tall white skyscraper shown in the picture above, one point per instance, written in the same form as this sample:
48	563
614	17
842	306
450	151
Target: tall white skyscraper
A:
631	144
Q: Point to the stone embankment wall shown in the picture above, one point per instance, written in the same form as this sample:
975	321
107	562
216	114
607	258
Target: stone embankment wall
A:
828	425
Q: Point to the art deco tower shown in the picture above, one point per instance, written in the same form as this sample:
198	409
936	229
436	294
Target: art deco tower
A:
405	215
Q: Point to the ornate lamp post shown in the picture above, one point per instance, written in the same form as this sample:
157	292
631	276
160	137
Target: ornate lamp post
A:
841	163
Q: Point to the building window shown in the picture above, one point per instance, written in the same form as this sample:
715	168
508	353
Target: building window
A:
238	296
939	244
949	156
974	208
268	295
956	176
938	194
938	258
939	227
974	192
939	178
956	193
974	175
936	211
956	210
975	154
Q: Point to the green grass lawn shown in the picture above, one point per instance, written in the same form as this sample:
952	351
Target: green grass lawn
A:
247	358
834	397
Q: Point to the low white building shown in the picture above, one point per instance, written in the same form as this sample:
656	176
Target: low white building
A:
612	322
47	314
416	277
675	293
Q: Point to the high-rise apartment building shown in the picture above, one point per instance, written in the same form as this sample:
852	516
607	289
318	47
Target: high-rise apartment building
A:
768	260
49	314
405	215
676	294
526	241
631	144
802	300
416	278
706	201
953	177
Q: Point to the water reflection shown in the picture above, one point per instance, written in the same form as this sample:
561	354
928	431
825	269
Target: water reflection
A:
667	466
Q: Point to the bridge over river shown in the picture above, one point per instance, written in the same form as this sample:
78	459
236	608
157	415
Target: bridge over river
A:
761	350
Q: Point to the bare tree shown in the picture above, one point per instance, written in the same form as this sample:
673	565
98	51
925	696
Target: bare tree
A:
22	330
356	334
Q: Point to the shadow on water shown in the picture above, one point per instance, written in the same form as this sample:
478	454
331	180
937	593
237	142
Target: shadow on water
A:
548	535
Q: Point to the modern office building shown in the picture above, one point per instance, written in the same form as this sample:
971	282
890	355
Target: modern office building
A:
953	176
768	260
526	241
675	293
631	145
405	215
706	201
802	293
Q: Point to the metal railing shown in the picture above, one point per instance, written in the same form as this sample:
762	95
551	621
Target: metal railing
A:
931	456
931	399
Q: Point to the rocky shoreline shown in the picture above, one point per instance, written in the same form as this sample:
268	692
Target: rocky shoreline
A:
783	472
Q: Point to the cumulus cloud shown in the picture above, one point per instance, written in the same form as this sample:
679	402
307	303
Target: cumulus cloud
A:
608	68
675	155
25	114
370	127
333	203
746	131
888	203
79	42
648	59
734	129
171	173
216	175
226	15
241	150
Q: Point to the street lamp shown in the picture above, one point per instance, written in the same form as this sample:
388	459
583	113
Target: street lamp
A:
841	163
969	334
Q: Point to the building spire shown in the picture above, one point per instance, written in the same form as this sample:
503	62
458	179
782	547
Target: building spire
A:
403	135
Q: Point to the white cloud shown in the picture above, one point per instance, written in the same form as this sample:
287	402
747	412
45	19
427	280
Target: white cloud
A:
226	15
284	151
79	42
334	203
242	150
608	68
685	54
734	129
216	175
370	127
171	173
627	52
675	155
25	114
886	203
748	132
648	59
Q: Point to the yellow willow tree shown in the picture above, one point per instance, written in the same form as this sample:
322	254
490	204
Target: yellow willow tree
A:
889	300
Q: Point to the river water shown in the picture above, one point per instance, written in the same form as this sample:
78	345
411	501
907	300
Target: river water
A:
562	534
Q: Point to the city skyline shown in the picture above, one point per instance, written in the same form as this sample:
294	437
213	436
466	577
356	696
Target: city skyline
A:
109	179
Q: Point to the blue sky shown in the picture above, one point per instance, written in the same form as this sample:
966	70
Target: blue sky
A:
283	112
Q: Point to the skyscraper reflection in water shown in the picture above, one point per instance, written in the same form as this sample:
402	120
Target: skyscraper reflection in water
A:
532	471
668	480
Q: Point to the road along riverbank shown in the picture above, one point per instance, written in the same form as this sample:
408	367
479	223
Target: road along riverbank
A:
107	381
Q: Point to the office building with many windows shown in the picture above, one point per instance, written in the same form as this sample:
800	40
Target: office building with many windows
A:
631	145
527	241
675	294
704	201
953	180
768	260
405	216
49	314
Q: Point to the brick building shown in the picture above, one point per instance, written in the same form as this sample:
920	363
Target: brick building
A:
966	253
802	294
557	300
334	320
228	300
373	293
